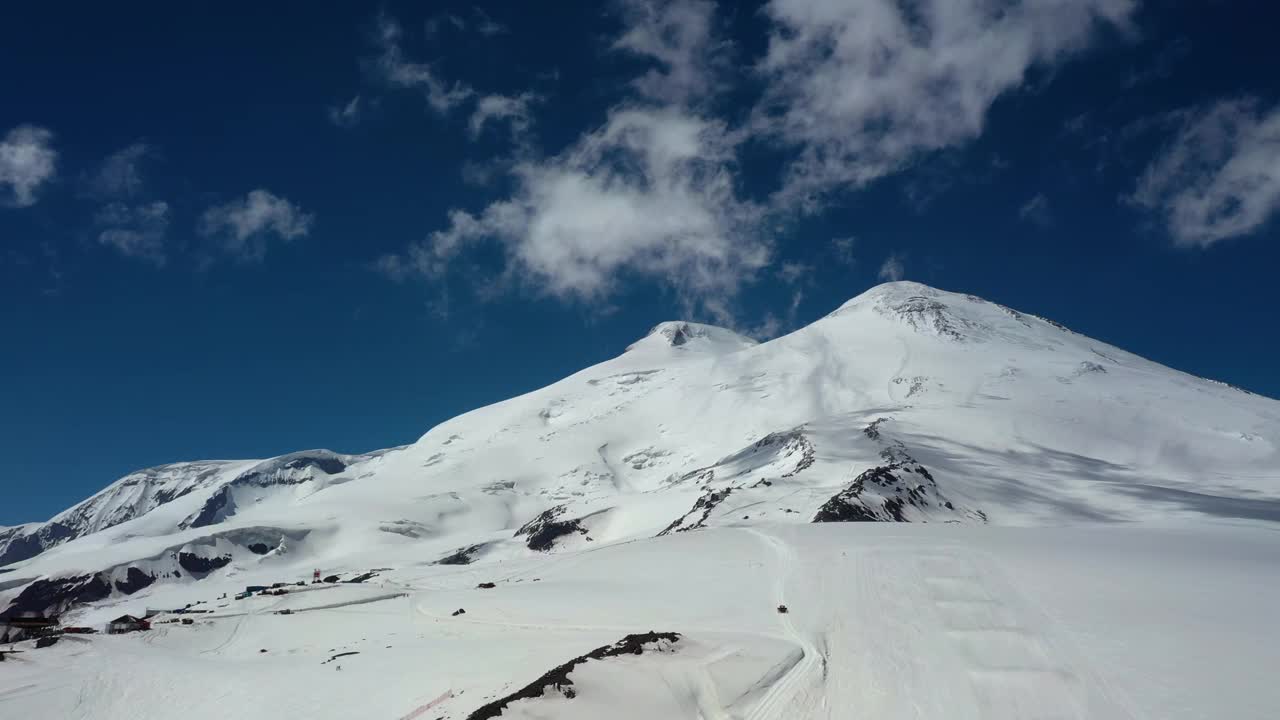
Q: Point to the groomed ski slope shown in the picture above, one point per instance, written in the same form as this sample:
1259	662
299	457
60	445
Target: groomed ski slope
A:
884	621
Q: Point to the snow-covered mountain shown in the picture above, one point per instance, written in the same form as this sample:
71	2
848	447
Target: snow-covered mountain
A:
907	404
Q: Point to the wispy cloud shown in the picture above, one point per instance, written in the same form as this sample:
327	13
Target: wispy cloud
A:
1219	177
129	221
511	109
893	269
792	272
649	193
772	325
1162	66
860	89
481	174
852	92
135	230
677	35
843	250
27	163
397	70
244	226
120	175
346	115
1036	211
487	26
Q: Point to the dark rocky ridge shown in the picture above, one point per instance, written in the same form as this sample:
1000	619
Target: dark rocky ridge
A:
899	483
201	565
704	505
21	543
558	677
219	504
143	491
134	581
543	531
461	556
56	595
770	448
289	469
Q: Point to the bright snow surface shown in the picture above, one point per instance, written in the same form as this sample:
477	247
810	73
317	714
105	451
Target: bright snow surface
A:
1089	535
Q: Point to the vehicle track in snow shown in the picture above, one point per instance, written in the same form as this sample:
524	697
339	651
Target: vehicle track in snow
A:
891	630
1015	665
691	678
696	681
810	668
935	630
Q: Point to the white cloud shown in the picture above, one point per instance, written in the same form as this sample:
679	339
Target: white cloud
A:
772	326
120	174
842	248
893	269
480	22
791	272
1220	176
861	88
348	115
480	174
244	225
514	109
133	227
27	162
678	35
854	90
396	70
1036	211
137	230
768	328
649	193
487	26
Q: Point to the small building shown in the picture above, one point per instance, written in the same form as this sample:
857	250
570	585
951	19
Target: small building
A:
243	595
255	588
126	624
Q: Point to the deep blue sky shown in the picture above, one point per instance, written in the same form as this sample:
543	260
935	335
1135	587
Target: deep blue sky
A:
189	345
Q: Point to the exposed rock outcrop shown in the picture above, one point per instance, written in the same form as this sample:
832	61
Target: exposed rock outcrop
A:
698	514
888	492
134	581
542	532
558	678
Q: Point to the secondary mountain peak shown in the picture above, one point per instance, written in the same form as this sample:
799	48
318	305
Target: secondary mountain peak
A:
692	336
909	404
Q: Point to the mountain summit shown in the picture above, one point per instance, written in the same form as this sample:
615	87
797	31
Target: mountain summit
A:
906	404
921	505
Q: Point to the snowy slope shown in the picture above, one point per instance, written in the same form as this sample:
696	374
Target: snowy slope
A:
884	621
943	412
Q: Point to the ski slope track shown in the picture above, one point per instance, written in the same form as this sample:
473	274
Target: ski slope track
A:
965	510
